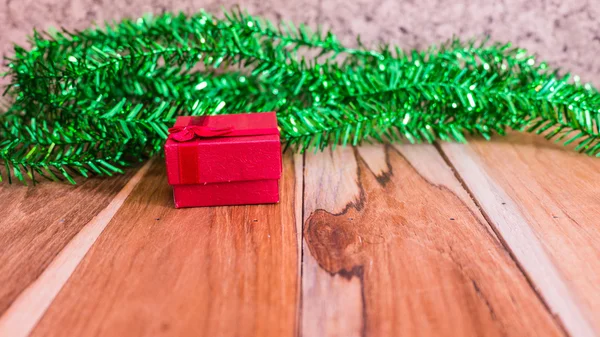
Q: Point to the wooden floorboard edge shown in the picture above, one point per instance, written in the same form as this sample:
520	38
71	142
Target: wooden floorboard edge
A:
25	312
299	213
518	239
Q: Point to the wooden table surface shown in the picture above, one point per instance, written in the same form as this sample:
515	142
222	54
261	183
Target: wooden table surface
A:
497	238
490	238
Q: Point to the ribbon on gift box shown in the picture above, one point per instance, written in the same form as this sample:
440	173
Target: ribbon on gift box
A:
204	127
191	132
187	133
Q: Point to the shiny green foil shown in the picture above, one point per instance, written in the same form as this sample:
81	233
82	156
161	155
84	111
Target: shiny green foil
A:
93	101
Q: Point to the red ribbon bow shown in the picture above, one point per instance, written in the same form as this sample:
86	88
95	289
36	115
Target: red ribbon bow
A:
187	133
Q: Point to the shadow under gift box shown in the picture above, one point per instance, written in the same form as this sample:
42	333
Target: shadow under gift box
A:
241	166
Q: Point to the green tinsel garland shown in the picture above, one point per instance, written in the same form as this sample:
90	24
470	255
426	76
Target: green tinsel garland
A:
92	101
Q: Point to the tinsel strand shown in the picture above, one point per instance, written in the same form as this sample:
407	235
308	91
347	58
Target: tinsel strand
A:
93	101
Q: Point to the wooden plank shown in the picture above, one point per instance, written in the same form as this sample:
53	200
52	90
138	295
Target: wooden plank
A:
32	303
394	246
36	222
155	270
543	201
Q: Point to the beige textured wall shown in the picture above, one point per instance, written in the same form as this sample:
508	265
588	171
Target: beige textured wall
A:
566	33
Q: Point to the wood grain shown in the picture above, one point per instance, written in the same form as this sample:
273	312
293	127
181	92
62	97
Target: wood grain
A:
394	246
24	313
36	222
543	200
155	270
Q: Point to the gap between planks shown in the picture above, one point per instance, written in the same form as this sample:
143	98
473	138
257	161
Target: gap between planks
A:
299	167
24	313
300	170
518	239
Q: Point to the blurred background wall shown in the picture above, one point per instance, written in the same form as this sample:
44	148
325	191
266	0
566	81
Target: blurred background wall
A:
565	33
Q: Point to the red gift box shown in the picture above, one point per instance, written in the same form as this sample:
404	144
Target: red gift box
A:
224	160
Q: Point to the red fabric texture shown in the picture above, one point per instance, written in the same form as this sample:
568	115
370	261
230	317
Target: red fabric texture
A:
241	165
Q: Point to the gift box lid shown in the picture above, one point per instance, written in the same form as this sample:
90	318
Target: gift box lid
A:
223	148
